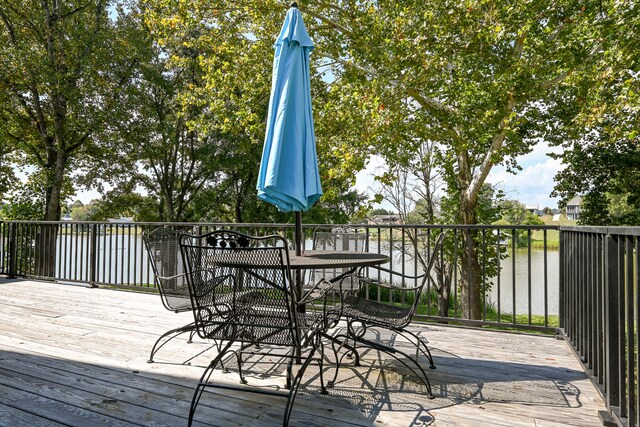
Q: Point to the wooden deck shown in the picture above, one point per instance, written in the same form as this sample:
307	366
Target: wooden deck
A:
71	355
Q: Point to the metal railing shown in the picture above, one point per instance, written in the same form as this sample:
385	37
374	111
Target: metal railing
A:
600	306
513	262
579	281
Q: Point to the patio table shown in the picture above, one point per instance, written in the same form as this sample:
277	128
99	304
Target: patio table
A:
317	260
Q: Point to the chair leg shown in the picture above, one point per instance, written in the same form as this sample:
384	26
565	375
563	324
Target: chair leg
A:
421	346
343	340
171	334
293	391
323	389
204	379
395	353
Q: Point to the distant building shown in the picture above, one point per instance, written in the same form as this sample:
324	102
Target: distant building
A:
121	220
384	219
535	210
574	207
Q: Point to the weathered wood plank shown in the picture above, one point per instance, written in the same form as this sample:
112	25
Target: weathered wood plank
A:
77	356
11	417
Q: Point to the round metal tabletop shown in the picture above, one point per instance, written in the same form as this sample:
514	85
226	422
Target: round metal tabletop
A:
334	259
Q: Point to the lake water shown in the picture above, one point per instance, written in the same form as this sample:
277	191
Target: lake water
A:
527	286
123	260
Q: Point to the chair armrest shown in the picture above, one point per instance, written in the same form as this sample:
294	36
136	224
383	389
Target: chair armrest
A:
386	270
376	282
175	276
318	291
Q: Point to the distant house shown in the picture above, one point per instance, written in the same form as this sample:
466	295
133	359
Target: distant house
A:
384	219
535	210
574	207
121	220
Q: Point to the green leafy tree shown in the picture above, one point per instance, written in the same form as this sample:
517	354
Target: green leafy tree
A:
470	76
233	46
55	79
7	176
599	128
513	212
473	77
603	167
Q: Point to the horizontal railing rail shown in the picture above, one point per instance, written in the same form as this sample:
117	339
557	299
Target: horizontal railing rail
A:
600	306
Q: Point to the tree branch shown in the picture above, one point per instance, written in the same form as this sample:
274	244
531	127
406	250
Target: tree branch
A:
9	26
422	100
326	20
498	140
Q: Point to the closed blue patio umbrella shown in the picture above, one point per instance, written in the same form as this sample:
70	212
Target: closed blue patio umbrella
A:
289	177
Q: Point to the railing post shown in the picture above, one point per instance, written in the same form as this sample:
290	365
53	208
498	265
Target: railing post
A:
561	279
13	250
93	255
611	327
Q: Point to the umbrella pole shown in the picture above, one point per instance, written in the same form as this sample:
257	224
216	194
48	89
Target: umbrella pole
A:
298	233
298	240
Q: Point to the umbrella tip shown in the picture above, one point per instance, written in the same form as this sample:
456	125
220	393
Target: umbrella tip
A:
293	4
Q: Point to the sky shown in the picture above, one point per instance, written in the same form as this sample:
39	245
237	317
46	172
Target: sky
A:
531	186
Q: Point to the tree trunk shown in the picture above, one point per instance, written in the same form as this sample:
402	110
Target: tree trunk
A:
47	235
470	270
443	297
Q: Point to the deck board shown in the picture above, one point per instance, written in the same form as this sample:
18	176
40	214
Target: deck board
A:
70	355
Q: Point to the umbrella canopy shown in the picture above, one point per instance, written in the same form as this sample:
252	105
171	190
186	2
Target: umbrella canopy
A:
289	177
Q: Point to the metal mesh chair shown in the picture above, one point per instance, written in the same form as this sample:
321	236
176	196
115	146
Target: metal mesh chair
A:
361	314
337	239
243	294
164	255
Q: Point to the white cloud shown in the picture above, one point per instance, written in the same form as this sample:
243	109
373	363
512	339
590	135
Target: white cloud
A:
533	184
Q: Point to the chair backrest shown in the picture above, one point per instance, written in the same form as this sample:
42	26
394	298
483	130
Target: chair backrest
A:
435	252
341	238
164	255
241	287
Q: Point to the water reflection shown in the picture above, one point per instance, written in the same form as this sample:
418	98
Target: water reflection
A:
530	286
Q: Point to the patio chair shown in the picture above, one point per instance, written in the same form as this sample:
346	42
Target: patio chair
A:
339	238
243	295
164	255
362	314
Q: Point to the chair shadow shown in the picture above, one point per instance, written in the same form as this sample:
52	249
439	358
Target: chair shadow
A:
456	380
384	384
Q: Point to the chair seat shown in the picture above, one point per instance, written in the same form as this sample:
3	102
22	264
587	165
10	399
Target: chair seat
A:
375	312
178	301
270	326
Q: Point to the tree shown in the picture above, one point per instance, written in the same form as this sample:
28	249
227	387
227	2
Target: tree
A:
233	46
599	129
513	212
469	76
472	77
7	176
55	69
